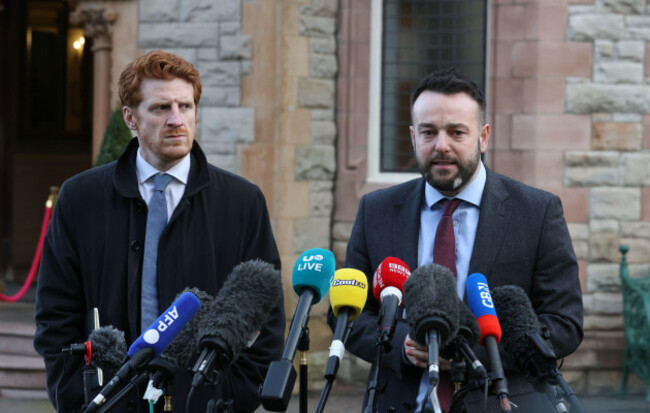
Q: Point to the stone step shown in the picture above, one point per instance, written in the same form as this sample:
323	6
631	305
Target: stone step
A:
17	338
23	394
22	372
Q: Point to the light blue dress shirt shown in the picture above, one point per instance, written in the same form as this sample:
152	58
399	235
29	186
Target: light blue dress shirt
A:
176	188
465	219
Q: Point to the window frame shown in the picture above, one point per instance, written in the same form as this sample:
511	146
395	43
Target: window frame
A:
374	173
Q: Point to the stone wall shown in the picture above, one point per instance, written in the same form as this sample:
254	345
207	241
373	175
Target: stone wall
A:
207	34
615	170
267	109
292	88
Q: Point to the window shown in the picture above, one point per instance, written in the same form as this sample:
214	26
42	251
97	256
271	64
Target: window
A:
409	39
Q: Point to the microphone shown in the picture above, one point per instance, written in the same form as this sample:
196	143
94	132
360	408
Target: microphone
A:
235	316
527	347
312	275
432	309
177	352
105	349
387	287
466	338
348	296
480	302
176	356
150	344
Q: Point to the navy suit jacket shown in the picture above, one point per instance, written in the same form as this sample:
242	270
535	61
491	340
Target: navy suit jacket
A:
521	239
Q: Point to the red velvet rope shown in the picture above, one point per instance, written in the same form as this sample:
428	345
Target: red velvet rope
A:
37	259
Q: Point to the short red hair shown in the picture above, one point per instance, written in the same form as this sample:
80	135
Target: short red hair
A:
157	64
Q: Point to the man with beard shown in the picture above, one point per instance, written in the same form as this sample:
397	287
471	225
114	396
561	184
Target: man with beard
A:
510	232
101	250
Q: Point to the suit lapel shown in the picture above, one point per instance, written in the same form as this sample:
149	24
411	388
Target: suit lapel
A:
492	224
406	225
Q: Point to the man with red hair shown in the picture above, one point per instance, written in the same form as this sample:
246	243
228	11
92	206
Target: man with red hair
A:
99	252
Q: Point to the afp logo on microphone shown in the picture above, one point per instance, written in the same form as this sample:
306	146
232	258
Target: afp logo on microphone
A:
152	336
351	283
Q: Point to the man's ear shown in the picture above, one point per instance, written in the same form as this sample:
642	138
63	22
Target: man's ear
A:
412	130
129	118
484	137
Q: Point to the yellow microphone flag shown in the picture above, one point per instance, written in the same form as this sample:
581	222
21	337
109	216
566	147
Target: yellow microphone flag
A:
349	289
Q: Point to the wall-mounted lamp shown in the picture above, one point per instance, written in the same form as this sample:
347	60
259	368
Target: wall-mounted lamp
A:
78	44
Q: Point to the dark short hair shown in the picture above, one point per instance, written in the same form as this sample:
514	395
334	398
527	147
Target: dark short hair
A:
450	82
156	64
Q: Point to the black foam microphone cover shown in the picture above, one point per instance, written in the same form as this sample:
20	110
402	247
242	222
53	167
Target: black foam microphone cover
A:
468	330
181	349
108	349
431	303
239	309
518	320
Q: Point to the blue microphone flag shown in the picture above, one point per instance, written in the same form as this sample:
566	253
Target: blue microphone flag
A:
478	296
480	302
167	326
314	269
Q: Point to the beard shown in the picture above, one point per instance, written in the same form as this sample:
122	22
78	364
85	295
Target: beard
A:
451	181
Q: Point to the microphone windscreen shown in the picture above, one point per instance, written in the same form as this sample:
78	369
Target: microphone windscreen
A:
349	289
431	303
181	349
108	349
167	326
392	272
468	330
467	325
314	269
241	306
480	302
517	317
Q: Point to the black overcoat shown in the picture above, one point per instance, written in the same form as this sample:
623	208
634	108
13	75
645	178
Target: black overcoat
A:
92	257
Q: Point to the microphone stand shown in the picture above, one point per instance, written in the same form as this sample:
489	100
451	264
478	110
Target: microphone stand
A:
136	382
387	321
329	379
547	364
576	406
323	396
303	346
458	372
383	343
371	405
219	406
463	358
458	377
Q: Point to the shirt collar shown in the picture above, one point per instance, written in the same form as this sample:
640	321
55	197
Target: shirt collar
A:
144	170
471	194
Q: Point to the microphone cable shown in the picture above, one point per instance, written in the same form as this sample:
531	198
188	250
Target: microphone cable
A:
456	405
189	398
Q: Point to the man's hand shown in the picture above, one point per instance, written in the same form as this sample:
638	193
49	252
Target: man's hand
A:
415	353
419	355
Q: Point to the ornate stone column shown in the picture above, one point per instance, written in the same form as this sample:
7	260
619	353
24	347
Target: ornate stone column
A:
98	25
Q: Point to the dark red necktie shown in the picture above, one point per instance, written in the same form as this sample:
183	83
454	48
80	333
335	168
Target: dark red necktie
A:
444	246
444	253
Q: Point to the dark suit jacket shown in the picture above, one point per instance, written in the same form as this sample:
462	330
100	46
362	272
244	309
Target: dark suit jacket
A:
92	257
521	239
